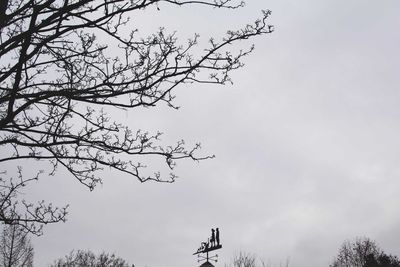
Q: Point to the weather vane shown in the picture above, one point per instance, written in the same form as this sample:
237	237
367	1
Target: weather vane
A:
213	243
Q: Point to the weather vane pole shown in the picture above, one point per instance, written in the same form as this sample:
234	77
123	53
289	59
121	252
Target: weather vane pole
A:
213	243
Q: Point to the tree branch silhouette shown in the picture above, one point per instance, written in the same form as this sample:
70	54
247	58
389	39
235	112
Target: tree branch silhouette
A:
58	78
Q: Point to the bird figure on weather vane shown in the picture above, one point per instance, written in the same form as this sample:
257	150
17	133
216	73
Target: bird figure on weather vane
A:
213	243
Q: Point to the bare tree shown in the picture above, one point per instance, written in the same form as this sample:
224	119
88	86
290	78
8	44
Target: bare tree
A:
15	247
355	253
58	80
87	258
244	259
363	252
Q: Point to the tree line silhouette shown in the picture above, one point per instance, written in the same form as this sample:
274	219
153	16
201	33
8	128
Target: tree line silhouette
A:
16	250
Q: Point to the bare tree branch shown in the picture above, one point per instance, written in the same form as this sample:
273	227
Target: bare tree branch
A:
57	78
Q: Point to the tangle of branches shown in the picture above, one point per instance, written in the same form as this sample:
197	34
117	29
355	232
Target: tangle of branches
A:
58	78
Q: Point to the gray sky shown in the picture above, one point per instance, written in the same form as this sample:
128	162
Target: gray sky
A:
306	142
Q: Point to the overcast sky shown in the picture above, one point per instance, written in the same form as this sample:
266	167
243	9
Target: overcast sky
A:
306	141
